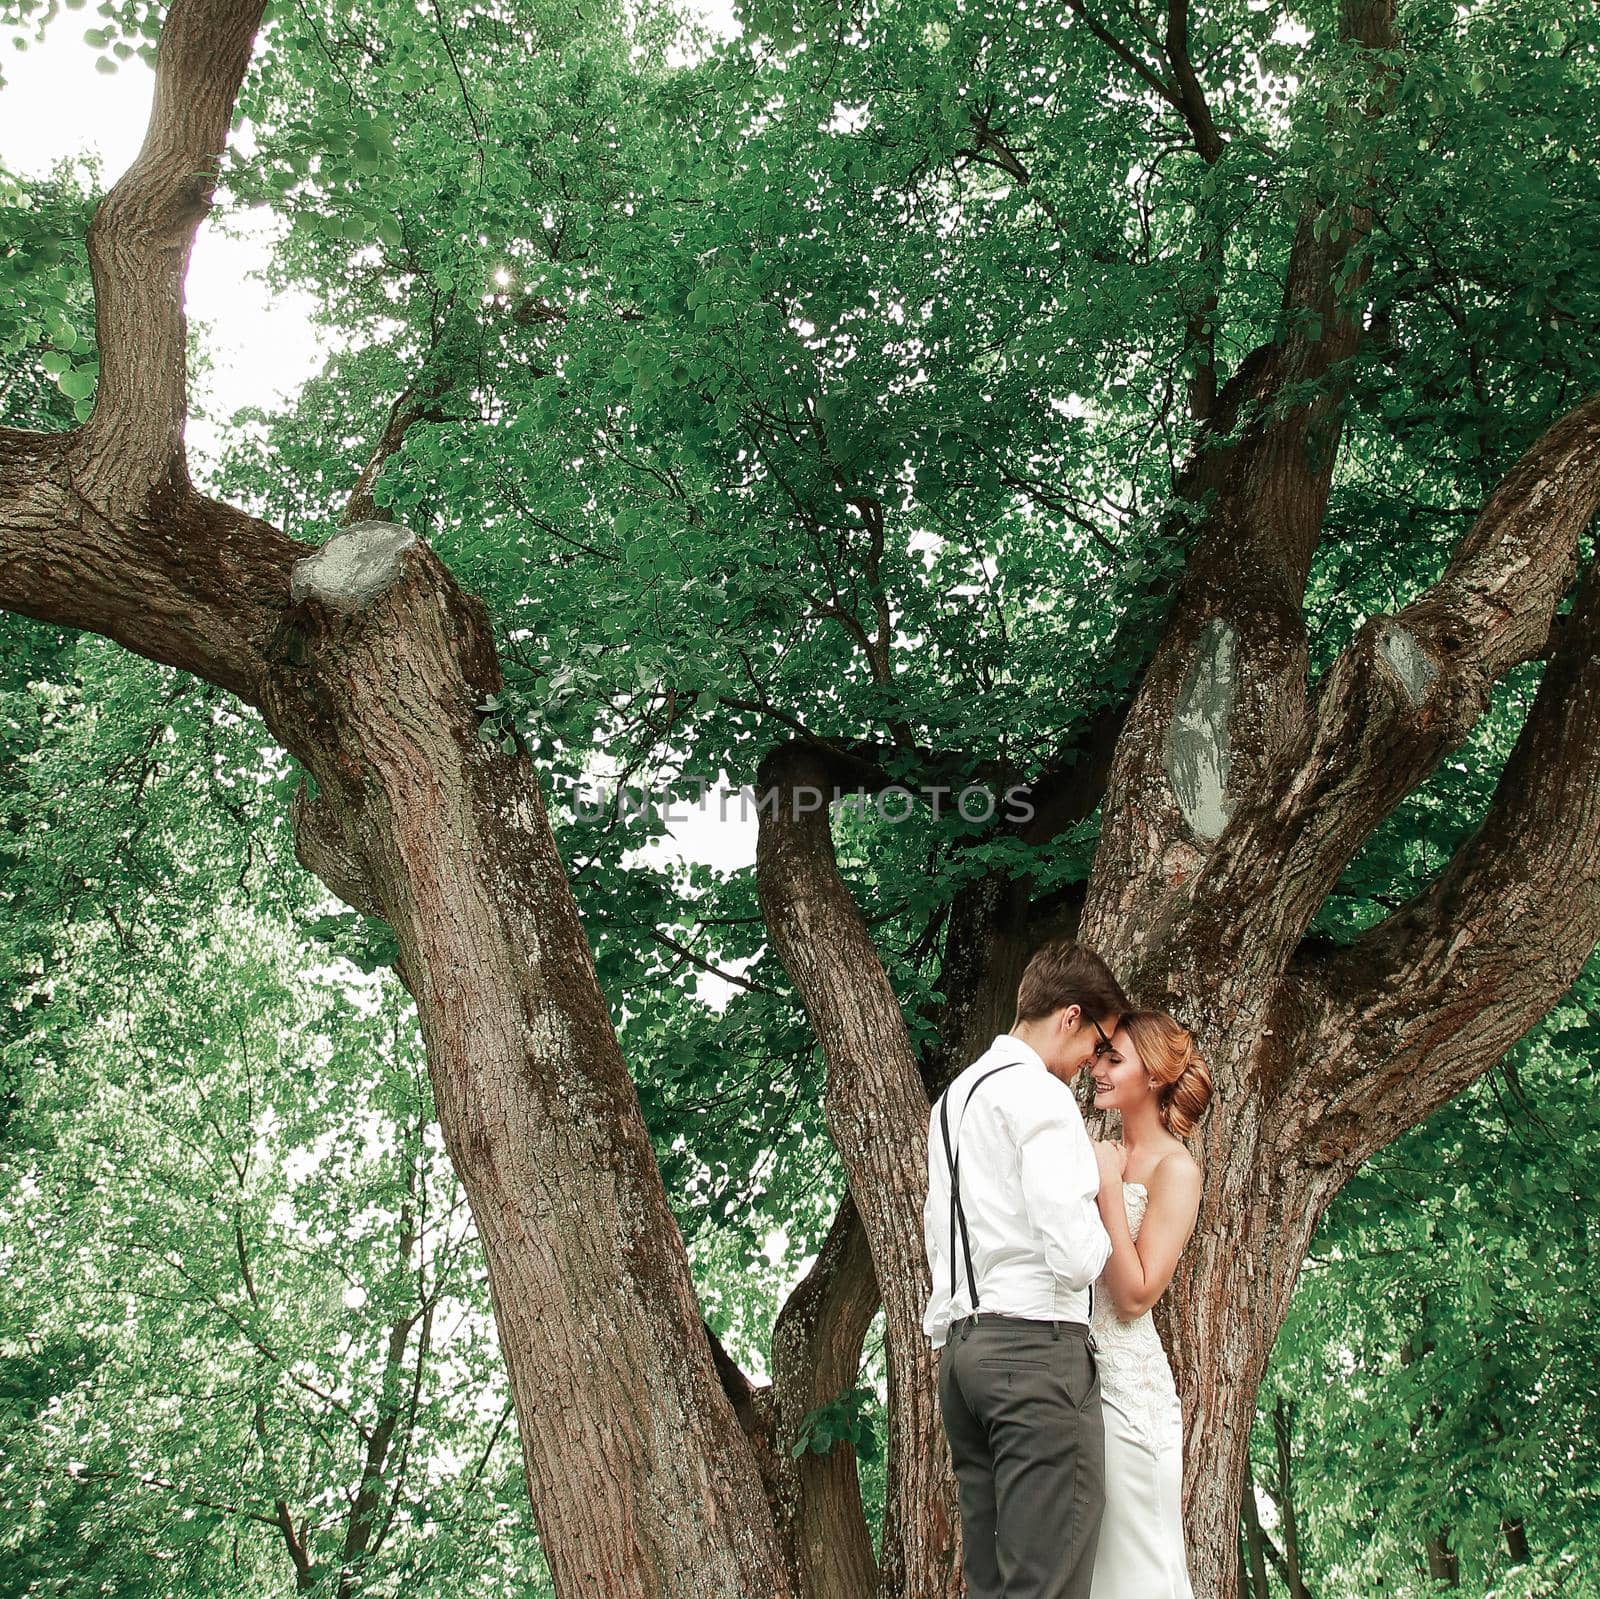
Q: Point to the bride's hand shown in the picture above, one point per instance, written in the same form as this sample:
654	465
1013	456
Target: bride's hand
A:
1112	1160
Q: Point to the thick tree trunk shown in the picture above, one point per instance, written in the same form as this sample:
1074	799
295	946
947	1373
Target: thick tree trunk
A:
372	679
367	661
816	1354
877	1111
1221	1317
1225	829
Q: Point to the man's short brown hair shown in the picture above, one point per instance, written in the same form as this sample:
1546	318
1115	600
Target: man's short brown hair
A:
1064	972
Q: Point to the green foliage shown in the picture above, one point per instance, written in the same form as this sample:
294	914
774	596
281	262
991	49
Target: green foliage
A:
366	942
846	1419
1413	845
216	1141
689	355
48	363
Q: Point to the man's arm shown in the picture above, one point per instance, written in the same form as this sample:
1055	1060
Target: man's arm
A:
1060	1180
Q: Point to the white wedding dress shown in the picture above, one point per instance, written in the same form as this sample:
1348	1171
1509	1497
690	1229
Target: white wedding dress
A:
1140	1554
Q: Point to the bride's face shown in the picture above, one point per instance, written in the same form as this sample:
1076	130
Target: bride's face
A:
1120	1079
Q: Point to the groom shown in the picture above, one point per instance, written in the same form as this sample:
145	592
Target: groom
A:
1014	1244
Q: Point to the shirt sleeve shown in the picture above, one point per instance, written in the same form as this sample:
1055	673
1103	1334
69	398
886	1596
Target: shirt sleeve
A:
1060	1181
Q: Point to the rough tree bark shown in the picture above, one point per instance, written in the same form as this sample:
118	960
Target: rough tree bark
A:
877	1111
1234	792
816	1355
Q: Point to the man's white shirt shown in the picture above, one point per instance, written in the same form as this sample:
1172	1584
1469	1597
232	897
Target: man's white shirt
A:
1028	1185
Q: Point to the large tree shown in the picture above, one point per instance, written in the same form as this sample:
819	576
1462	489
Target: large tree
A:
925	398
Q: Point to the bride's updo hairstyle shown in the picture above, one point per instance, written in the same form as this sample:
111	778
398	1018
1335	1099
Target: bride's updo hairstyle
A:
1169	1055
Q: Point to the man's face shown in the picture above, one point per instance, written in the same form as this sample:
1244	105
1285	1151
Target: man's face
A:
1084	1040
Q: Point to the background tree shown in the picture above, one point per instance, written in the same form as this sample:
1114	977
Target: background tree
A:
1202	445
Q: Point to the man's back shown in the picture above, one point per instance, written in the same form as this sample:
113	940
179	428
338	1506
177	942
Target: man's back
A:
1028	1181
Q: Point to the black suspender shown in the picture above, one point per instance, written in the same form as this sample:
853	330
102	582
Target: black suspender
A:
953	1157
958	1215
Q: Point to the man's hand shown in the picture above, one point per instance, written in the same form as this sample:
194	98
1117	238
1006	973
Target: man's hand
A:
1112	1160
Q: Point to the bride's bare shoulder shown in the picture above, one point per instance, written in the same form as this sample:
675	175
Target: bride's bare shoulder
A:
1178	1169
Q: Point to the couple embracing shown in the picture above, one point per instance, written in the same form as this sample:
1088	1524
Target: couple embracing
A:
1047	1251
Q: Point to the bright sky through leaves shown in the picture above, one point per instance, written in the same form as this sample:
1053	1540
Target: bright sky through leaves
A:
262	346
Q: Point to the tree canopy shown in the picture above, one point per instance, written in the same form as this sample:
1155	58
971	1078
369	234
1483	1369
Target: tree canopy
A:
832	381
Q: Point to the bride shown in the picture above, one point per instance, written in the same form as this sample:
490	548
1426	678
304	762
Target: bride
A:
1149	1198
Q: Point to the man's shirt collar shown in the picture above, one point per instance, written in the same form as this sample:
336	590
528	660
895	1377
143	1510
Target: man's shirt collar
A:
1020	1048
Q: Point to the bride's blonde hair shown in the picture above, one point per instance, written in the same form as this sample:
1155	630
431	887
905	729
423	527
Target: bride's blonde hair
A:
1170	1057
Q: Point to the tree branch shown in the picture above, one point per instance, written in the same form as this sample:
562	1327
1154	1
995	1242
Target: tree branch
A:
294	1543
421	401
188	582
816	1353
417	403
736	1384
733	979
1129	57
147	1479
1069	788
323	846
99	528
1224	702
139	246
1427	1001
1409	688
877	1112
364	1531
1189	96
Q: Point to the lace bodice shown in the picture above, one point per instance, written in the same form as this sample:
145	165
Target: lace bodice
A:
1134	1374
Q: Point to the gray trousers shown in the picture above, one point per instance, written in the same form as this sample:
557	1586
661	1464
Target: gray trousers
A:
1021	1406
